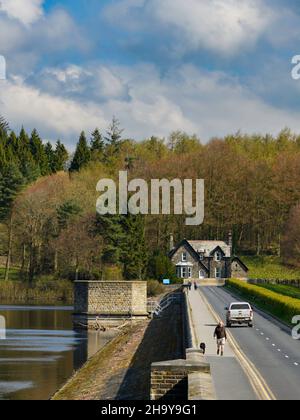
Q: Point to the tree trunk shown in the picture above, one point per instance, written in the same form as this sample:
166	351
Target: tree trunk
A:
23	258
10	237
77	270
55	261
258	251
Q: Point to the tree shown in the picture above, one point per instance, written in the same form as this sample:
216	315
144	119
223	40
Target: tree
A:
79	246
291	239
4	127
11	182
97	145
134	255
60	157
113	139
82	154
38	153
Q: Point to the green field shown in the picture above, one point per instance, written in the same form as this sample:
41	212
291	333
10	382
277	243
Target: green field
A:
282	289
270	268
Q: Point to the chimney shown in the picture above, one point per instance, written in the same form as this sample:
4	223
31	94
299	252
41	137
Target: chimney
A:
230	240
171	242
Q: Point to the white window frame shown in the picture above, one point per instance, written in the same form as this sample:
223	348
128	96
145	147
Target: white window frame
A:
218	256
184	272
201	256
184	257
218	270
202	272
190	272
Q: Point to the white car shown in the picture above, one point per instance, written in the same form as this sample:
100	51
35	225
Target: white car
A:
239	313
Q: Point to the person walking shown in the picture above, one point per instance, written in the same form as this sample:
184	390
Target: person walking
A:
221	336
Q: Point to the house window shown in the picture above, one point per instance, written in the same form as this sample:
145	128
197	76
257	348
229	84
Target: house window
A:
201	274
218	273
179	272
218	256
184	272
201	256
190	272
184	257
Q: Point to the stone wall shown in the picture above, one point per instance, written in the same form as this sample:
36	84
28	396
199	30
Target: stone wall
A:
182	380
111	298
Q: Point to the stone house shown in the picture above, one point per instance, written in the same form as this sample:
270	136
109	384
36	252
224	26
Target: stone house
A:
206	259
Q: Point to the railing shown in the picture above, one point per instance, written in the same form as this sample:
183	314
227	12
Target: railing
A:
157	308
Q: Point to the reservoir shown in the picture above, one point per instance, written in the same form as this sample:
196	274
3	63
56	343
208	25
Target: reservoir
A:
42	350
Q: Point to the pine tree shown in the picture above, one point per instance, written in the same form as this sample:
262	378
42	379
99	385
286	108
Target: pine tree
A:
97	145
82	154
38	153
110	227
113	139
11	181
60	157
50	157
4	127
134	255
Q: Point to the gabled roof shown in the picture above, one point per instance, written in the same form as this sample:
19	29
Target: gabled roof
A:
191	250
209	247
237	259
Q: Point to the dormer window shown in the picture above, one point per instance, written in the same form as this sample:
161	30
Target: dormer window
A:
201	255
184	257
218	256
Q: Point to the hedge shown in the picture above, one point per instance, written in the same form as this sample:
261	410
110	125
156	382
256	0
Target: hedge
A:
284	307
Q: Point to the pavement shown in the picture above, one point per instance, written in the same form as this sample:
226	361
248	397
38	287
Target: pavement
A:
230	380
268	346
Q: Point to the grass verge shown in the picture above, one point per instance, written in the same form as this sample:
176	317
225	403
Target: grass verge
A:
281	306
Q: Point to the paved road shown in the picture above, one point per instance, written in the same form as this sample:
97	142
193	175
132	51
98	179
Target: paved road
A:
274	352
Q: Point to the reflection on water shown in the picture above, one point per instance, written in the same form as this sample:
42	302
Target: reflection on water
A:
41	351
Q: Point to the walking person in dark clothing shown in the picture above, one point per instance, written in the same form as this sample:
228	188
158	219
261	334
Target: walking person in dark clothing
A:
190	285
221	336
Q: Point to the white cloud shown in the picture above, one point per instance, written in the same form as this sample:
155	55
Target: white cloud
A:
52	115
223	26
26	11
206	103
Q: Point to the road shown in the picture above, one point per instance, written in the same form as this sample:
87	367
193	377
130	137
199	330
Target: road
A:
273	351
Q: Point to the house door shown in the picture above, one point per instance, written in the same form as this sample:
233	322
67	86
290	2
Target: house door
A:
201	274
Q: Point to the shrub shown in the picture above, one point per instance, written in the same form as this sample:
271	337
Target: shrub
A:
284	307
155	288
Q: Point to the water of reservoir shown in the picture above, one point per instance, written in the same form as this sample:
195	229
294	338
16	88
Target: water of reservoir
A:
41	350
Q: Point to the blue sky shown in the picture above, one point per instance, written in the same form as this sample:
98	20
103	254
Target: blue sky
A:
209	67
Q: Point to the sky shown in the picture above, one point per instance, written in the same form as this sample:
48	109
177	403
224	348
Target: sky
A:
207	67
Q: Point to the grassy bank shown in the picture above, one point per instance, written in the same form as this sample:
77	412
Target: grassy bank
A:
279	305
40	292
270	268
282	289
122	369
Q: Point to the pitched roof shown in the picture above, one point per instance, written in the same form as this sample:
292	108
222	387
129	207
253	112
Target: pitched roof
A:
208	247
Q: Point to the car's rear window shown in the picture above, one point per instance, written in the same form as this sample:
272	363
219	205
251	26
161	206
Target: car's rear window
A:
240	306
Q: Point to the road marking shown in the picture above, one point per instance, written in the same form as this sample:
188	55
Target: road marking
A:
286	356
296	364
258	383
267	339
279	350
262	334
273	345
